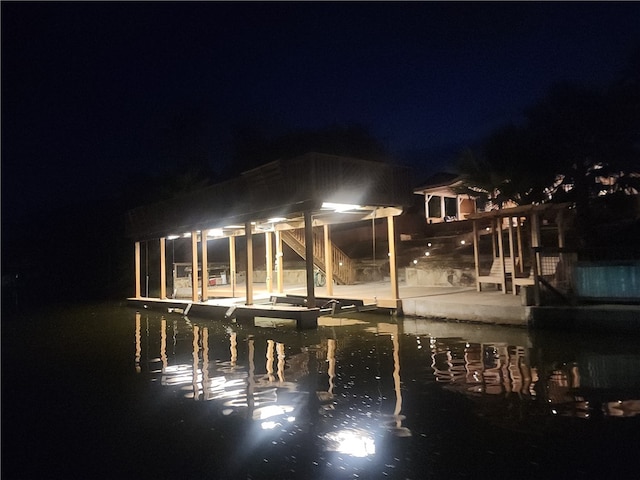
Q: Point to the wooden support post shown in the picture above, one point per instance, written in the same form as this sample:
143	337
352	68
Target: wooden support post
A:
249	257
493	239
137	269
328	260
476	253
280	262
205	263
562	261
512	257
194	266
268	248
308	246
232	265
561	228
535	257
503	276
520	256
163	268
393	270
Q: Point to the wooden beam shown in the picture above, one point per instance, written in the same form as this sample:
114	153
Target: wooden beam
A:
249	262
503	274
393	269
328	259
520	255
163	268
308	245
137	269
493	238
205	262
426	205
280	262
476	253
561	228
194	266
535	258
232	265
512	256
268	248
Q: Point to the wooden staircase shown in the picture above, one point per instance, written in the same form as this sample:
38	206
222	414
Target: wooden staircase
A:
343	266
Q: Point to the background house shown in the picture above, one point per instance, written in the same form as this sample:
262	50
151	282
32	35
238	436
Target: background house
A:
442	203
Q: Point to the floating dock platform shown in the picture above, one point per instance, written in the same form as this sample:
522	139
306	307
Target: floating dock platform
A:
288	307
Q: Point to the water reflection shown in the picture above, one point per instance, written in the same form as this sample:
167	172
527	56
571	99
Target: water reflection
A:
345	384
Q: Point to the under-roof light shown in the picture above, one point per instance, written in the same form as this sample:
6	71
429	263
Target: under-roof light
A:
187	235
233	227
172	237
276	219
215	232
340	207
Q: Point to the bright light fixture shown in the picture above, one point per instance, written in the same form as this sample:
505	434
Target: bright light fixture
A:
215	232
340	207
276	219
172	237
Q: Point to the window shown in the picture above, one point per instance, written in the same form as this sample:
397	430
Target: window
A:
451	208
434	207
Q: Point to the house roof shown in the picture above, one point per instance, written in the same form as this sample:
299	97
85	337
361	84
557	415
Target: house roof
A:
285	189
438	180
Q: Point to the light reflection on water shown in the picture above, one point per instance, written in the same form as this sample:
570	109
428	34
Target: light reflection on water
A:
345	383
128	395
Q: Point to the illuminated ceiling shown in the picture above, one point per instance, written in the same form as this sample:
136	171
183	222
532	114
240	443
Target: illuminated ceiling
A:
276	196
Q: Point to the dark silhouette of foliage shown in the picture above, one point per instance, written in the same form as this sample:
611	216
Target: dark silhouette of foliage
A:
570	138
576	144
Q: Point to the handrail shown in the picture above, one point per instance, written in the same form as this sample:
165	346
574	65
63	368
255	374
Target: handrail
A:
343	266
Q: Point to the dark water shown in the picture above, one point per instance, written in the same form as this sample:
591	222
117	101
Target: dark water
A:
104	392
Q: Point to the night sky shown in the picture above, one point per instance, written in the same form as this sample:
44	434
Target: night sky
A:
91	91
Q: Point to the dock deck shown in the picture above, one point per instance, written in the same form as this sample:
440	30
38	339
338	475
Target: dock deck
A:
290	305
447	303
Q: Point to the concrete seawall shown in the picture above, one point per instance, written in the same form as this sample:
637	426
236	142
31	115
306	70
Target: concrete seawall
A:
467	305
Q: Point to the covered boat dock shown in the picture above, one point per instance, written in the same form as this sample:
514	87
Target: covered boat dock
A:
294	200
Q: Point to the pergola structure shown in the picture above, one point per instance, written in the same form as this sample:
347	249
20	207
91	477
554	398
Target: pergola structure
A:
511	261
441	201
301	193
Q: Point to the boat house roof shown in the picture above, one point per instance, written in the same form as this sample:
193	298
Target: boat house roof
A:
334	189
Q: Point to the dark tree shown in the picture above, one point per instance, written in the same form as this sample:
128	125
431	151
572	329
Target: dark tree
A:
576	144
570	139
